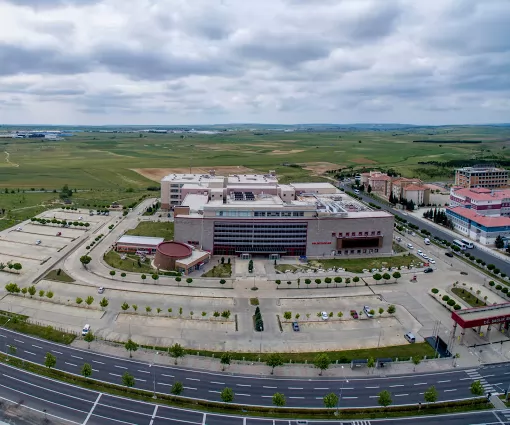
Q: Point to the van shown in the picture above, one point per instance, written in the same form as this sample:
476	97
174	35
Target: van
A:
410	246
410	337
356	191
426	241
86	330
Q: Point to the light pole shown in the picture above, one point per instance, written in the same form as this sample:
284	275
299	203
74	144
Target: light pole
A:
6	322
380	334
154	373
341	390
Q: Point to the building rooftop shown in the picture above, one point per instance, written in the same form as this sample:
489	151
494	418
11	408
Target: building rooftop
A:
483	220
140	240
193	178
481	169
414	187
253	179
481	194
318	185
195	202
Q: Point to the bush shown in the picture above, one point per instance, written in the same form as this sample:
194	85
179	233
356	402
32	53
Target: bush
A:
491	283
503	275
505	290
472	257
496	271
435	290
445	298
451	303
457	307
498	287
491	266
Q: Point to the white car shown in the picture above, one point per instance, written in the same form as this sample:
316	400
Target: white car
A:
367	309
100	290
419	252
19	229
80	218
38	242
425	256
86	330
324	315
432	261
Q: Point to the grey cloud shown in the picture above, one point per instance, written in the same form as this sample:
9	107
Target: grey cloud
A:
42	4
380	21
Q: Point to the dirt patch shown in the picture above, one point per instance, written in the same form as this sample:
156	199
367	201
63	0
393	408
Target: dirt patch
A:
277	152
320	167
157	174
362	161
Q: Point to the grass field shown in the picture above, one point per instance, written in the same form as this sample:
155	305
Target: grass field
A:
130	264
160	230
468	298
221	270
356	265
61	277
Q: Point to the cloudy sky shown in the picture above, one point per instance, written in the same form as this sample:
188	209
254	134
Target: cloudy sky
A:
271	61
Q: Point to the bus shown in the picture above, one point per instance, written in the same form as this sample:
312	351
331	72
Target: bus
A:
459	244
468	244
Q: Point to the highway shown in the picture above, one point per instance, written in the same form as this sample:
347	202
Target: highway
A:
258	390
69	404
504	266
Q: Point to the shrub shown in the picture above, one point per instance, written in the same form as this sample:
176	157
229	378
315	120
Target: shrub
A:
496	271
472	257
491	283
451	303
491	266
503	275
445	298
478	261
457	307
498	287
505	290
435	290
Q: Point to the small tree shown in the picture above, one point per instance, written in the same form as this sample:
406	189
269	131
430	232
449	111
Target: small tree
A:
396	276
148	310
386	277
143	277
128	380
89	337
112	273
416	362
176	351
135	307
49	294
227	395
32	290
155	277
330	400
322	362
477	388
355	279
274	360
123	275
381	311
391	309
103	303
85	259
384	398
24	291
370	363
287	315
50	360
189	280
158	310
377	277
41	293
279	400
225	360
89	300
131	346
86	370
177	388
430	396
124	306
79	300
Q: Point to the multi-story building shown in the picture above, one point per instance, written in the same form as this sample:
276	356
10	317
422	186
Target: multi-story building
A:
254	215
483	201
488	177
378	181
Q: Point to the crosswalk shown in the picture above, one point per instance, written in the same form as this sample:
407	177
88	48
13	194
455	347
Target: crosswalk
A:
475	376
506	414
360	422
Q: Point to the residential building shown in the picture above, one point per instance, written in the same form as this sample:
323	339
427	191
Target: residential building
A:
249	215
379	182
480	176
482	200
410	189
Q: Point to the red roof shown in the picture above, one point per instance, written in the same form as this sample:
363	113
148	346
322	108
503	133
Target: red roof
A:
414	187
480	219
482	194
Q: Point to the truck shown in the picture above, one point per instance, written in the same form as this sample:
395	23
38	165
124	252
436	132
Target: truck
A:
426	241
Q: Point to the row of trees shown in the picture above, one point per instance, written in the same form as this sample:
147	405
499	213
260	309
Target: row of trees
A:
45	221
10	265
125	306
287	315
328	280
13	288
438	217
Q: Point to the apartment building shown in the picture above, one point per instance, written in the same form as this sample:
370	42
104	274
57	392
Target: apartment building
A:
487	177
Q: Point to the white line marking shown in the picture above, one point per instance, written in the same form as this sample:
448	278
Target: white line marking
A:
21	342
193	379
70	364
349	397
168	376
29	352
487	376
217	392
95	361
248	395
190	388
297	397
372	387
95	370
269	396
92	409
120	367
441	382
398	385
264	386
140	379
243	385
465	379
162	383
56	352
373	396
421	383
77	357
321	388
154	414
143	371
295	388
36	346
217	383
400	395
114	374
455	389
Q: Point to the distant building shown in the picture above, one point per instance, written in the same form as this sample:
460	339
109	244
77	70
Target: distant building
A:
129	243
488	177
378	181
482	200
410	189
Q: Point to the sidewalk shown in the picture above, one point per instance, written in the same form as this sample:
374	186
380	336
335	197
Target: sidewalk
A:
288	370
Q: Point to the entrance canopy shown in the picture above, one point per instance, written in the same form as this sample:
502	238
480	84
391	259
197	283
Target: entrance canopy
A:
482	316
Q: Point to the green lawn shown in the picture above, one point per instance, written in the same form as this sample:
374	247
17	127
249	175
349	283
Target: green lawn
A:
61	277
470	299
130	264
221	270
356	265
160	230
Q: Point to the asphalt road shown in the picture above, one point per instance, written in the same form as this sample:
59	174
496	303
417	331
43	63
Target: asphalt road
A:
67	403
258	390
504	266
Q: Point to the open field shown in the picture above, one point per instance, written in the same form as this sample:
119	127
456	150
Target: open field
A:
159	230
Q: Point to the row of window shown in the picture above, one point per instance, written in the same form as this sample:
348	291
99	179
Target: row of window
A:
260	213
265	226
353	234
357	251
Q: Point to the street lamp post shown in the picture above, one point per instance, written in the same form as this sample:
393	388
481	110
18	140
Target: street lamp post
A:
341	391
6	322
154	373
380	334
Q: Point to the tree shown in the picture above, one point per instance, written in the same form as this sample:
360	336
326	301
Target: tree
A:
50	360
396	276
189	280
278	399
321	362
32	291
49	294
131	346
384	398
89	300
370	363
85	259
176	351
41	293
143	277
79	300
391	309
124	306
225	360
17	266
287	315
177	388
381	311
13	288
355	279
330	400
369	189
477	388
430	396
155	277
112	273
274	360
227	395
148	310
103	303
416	362
128	380
499	242
86	370
338	279
377	277
89	338
386	276
24	291
135	307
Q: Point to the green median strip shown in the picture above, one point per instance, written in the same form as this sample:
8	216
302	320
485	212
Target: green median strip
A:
479	403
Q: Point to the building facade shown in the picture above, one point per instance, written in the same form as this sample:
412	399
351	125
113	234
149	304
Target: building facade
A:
145	244
483	201
258	216
487	177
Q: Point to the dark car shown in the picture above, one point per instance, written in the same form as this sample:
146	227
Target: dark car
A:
295	326
429	270
448	254
354	314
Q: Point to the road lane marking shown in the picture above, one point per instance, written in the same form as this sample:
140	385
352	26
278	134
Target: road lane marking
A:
297	397
441	382
36	346
321	388
193	379
168	376
264	386
295	388
398	385
154	414
487	376
70	364
29	352
400	395
217	392
421	383
506	373
95	370
347	388
143	371
140	379
114	374
270	396
465	379
92	409
455	389
95	361
21	342
190	388
217	383
373	396
162	383
56	352
372	387
248	395
77	357
120	367
243	385
349	397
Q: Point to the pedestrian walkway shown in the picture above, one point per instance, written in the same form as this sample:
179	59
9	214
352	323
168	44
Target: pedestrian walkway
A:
475	376
361	422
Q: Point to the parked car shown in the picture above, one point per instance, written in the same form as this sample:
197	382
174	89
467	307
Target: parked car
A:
354	314
399	239
86	330
432	261
409	246
410	337
295	326
367	309
38	242
80	218
19	229
419	252
100	290
425	256
324	315
448	254
59	233
429	270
